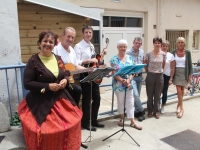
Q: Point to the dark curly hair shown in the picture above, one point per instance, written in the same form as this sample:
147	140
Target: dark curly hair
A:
157	39
47	34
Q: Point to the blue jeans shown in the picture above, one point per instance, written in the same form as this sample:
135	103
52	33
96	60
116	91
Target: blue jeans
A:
137	84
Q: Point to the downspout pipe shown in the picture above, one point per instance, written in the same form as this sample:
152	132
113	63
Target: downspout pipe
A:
158	19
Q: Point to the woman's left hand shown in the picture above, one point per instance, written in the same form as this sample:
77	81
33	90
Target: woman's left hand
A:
129	86
190	78
170	82
63	83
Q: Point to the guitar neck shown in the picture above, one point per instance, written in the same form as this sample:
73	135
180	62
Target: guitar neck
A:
80	71
102	54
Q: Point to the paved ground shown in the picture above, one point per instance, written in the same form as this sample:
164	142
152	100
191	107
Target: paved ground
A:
148	138
153	130
106	98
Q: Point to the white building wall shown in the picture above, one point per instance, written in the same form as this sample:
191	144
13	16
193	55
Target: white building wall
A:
165	14
10	53
181	15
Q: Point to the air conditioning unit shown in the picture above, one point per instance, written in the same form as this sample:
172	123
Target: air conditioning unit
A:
116	1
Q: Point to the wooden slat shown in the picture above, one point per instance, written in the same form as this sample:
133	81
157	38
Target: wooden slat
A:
50	17
50	23
25	58
34	49
28	41
35	33
33	41
39	9
34	8
43	25
35	18
25	50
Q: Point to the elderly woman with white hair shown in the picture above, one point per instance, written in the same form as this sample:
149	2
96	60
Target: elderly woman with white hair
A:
183	71
122	84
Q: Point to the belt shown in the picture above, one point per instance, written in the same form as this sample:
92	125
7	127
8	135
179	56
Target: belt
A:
138	74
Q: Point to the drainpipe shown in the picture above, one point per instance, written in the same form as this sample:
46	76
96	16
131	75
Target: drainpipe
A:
158	19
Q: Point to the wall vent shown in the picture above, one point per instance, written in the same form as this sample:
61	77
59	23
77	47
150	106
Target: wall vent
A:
116	0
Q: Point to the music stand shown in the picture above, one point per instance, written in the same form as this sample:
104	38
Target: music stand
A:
98	73
127	70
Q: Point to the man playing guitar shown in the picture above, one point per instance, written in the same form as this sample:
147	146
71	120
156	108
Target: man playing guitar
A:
68	55
85	54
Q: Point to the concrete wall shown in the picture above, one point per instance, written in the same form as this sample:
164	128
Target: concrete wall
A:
180	15
165	14
10	53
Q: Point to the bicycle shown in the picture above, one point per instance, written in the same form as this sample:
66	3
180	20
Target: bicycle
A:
195	80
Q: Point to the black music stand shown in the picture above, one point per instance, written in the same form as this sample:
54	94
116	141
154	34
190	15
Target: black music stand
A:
98	73
126	71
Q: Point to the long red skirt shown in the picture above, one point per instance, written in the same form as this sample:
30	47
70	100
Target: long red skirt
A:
60	131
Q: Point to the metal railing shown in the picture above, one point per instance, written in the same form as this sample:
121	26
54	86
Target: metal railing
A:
17	81
24	92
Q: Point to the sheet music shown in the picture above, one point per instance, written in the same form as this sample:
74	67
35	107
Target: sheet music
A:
99	73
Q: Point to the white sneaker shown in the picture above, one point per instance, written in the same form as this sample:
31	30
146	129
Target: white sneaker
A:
162	110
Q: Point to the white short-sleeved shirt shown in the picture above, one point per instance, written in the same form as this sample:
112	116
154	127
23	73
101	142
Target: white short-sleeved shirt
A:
167	68
65	55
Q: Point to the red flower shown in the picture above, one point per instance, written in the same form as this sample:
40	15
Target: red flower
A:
61	65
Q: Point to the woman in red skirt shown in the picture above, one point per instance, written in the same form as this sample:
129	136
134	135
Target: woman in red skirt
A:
49	116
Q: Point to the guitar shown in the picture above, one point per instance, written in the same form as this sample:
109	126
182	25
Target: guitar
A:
73	71
99	57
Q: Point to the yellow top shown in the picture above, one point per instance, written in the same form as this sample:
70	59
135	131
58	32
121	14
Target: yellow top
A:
50	63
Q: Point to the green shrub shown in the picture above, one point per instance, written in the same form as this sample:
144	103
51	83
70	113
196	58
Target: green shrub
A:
15	120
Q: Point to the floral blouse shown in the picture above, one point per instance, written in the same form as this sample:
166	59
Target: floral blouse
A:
118	64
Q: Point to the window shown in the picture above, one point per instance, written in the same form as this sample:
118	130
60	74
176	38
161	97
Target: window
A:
172	36
195	40
96	37
105	21
115	21
92	22
132	22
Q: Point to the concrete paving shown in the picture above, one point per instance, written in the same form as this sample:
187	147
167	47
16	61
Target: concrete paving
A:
148	138
153	129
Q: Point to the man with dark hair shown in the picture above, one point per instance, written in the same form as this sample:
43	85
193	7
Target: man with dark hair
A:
85	54
138	56
68	55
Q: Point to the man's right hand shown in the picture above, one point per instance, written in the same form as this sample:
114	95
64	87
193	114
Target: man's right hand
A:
93	60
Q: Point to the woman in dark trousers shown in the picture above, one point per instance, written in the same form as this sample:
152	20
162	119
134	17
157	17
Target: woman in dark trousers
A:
168	73
183	71
155	61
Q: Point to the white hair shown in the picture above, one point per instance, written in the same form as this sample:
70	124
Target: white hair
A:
122	41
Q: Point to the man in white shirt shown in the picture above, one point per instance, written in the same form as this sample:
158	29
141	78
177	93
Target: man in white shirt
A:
68	55
85	54
138	56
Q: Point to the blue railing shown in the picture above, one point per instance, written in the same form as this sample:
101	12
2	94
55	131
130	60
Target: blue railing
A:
17	81
24	92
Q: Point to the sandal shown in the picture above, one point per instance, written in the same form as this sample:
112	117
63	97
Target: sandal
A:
157	116
150	115
120	123
180	114
136	126
178	110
